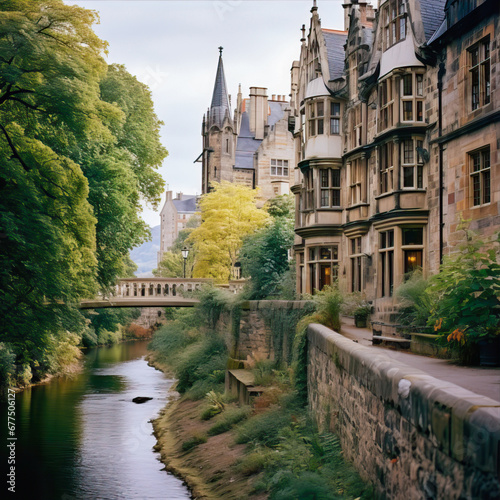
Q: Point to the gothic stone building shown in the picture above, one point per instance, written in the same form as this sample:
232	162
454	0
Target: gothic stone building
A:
253	146
396	139
173	218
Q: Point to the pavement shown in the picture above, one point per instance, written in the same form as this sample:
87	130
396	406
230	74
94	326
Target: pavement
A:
480	380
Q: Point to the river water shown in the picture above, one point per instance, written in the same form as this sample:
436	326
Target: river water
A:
82	437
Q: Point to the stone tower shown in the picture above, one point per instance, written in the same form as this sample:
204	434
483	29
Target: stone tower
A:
218	133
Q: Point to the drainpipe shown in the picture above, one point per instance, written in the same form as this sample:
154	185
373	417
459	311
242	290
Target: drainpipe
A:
441	73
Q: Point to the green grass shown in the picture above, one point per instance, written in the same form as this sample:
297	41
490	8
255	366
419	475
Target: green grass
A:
228	419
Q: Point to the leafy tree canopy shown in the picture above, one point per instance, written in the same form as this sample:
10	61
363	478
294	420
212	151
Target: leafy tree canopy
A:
79	146
264	254
228	213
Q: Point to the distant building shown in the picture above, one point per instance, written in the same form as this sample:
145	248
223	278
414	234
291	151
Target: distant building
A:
252	147
174	216
397	127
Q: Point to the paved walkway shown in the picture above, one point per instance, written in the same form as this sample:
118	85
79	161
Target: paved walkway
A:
484	381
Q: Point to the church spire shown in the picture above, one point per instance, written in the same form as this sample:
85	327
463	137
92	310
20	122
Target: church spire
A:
220	101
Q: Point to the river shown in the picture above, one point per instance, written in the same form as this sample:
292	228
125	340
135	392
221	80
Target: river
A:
82	437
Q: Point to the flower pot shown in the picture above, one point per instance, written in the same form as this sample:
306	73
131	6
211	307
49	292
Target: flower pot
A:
489	352
360	321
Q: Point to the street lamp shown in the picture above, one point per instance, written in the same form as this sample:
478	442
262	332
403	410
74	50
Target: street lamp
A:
185	253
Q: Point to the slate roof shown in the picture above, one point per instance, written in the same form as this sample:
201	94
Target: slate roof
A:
246	145
335	41
188	204
432	15
220	102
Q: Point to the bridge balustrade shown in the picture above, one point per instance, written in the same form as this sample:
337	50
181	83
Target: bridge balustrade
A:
158	287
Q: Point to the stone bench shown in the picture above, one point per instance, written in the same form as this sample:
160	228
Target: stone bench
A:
240	383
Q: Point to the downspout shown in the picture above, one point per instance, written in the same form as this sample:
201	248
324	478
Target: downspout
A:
441	73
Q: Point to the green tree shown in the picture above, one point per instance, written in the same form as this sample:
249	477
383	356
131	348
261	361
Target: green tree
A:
265	254
228	213
79	146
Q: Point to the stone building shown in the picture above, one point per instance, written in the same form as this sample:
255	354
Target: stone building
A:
174	216
396	137
251	146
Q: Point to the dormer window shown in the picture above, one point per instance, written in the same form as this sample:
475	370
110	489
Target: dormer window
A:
393	22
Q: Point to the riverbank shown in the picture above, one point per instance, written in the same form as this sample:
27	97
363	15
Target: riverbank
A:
209	469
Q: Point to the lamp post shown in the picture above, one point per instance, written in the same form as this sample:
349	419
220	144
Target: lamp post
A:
185	253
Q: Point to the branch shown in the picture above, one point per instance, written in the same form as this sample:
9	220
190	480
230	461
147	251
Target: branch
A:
15	154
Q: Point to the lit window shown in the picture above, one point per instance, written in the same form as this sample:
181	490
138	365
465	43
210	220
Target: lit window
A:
480	176
279	167
323	266
480	74
412	249
330	187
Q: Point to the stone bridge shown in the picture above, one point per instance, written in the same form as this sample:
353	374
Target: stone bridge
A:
155	292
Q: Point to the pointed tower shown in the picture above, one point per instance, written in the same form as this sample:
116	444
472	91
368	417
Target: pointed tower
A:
218	134
219	109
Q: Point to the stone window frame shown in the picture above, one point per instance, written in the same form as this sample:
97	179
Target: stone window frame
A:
357	181
412	251
356	132
329	188
412	97
279	166
356	267
386	96
386	252
479	61
479	162
394	23
386	167
316	118
411	163
308	189
335	118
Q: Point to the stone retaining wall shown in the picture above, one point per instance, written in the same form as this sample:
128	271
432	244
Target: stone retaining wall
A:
255	339
413	436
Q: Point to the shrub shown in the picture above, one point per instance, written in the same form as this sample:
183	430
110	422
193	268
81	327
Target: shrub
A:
414	300
193	441
263	428
228	419
252	463
7	369
138	332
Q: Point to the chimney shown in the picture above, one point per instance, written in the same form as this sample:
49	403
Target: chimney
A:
168	196
258	111
179	196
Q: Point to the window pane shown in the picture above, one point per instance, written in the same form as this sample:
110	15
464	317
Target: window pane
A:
324	198
325	253
390	238
420	177
285	171
336	198
324	178
476	190
320	126
312	128
413	260
320	108
486	186
407	85
273	170
335	126
420	111
407	110
420	85
413	236
408	177
335	177
335	109
408	152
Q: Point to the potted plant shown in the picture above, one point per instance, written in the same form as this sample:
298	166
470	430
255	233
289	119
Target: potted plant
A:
361	314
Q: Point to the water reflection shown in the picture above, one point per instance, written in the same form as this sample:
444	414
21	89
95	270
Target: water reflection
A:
83	438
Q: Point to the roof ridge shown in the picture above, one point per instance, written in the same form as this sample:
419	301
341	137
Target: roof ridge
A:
340	32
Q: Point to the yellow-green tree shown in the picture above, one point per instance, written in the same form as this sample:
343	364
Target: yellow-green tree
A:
228	213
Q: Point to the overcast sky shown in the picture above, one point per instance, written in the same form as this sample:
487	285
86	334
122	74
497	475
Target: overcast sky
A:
172	46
